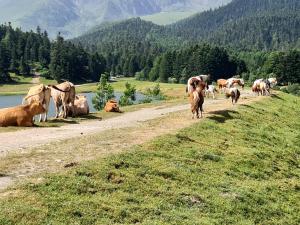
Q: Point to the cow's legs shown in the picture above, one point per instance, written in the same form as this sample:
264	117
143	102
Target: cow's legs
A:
56	110
65	111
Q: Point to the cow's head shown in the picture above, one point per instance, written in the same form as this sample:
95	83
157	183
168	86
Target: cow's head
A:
37	108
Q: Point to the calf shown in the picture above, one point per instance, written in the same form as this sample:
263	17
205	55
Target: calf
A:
234	93
211	90
21	116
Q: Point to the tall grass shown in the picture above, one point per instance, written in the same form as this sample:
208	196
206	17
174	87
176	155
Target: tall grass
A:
236	167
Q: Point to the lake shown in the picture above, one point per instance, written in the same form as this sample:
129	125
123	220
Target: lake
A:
14	100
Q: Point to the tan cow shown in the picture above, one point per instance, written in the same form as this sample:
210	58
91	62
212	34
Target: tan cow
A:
63	95
80	108
42	94
21	116
112	106
221	83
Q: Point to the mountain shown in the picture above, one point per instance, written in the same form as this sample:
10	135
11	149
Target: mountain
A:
242	24
73	17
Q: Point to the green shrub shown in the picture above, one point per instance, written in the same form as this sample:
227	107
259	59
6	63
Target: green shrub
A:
104	93
292	89
129	95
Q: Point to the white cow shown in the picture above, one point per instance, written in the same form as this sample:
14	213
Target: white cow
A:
211	90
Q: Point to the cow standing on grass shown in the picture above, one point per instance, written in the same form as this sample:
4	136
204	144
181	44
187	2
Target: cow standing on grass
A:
63	95
42	94
196	96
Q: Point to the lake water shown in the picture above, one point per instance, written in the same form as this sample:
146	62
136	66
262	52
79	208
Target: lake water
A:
14	100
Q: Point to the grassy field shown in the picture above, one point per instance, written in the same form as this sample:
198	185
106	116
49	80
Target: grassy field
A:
23	84
170	90
235	167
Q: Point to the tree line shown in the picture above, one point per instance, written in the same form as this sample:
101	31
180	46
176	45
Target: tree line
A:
20	52
179	66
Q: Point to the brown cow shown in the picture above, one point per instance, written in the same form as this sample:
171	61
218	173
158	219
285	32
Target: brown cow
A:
80	108
21	116
39	93
197	98
112	106
63	95
221	84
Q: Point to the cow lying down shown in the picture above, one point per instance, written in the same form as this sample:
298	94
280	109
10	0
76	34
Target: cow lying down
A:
21	116
80	107
112	106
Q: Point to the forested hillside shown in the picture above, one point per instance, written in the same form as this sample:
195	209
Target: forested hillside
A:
258	25
255	24
23	52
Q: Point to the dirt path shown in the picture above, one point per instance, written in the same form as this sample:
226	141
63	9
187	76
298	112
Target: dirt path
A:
29	152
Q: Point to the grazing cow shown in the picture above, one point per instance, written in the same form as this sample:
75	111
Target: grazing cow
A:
63	95
190	88
234	81
21	116
264	87
256	86
221	84
211	90
112	106
197	98
42	94
261	86
234	93
80	108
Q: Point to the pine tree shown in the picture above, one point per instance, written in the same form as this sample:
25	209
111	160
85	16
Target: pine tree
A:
24	67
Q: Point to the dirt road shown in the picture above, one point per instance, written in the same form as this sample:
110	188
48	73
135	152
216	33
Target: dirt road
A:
38	150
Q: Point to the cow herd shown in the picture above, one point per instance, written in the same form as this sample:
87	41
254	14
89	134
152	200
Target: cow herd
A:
67	103
198	89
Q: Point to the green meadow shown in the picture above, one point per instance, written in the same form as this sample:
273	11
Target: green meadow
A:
235	167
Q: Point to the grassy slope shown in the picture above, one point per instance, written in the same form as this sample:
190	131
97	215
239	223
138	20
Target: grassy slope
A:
239	167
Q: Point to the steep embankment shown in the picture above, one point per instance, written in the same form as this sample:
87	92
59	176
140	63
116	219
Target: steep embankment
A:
238	166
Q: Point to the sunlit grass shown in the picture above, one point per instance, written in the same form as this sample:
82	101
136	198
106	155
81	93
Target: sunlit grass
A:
236	167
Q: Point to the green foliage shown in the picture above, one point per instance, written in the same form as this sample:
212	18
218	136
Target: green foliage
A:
155	93
21	50
292	89
235	167
129	95
104	93
196	60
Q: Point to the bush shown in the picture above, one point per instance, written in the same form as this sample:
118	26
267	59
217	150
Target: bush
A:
129	95
104	93
292	89
155	93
